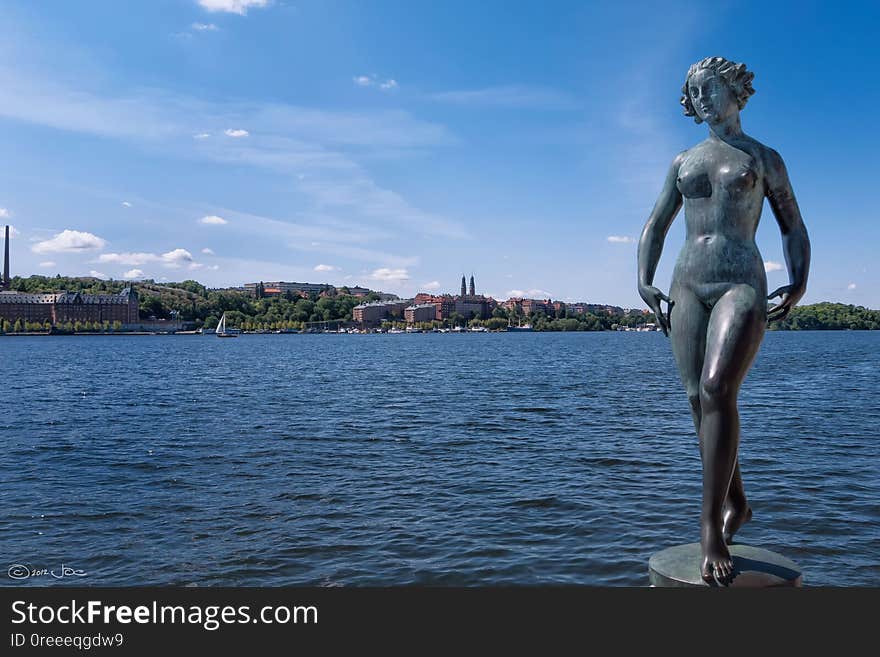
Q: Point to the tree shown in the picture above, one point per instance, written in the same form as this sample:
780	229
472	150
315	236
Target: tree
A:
18	327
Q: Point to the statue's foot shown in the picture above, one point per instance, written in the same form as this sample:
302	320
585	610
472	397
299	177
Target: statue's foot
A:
717	565
734	517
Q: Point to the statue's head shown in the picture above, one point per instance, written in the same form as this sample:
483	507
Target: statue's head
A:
714	88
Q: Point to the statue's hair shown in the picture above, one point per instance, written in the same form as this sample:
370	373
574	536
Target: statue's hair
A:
736	76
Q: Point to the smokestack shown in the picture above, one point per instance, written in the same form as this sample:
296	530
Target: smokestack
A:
6	260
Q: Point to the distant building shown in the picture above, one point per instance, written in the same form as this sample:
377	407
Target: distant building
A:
58	308
469	304
61	307
423	312
372	314
279	288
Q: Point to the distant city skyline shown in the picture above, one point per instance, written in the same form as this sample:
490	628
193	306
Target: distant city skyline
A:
397	147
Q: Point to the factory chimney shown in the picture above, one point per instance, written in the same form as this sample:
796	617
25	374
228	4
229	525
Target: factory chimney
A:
5	282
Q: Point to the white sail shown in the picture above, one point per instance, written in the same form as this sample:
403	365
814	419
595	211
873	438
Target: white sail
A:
221	325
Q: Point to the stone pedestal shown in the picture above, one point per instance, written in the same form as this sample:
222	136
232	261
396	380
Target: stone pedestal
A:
679	566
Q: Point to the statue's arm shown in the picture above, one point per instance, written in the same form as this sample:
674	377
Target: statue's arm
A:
795	241
651	242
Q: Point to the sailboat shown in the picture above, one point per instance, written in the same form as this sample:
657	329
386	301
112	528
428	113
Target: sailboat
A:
221	331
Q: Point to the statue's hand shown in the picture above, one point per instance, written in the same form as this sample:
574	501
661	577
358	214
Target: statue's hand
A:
653	297
789	296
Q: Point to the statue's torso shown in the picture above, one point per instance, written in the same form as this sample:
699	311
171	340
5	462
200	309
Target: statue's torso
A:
723	191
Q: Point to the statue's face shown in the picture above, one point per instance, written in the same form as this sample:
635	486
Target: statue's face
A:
711	96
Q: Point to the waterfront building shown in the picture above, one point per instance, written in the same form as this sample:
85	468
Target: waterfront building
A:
423	312
61	307
373	313
58	308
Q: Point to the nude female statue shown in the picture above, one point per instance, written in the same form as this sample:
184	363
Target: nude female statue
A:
717	308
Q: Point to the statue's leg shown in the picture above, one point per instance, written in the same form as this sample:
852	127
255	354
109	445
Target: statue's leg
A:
688	337
736	327
689	321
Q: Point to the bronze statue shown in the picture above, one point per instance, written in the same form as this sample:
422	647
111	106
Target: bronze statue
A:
717	306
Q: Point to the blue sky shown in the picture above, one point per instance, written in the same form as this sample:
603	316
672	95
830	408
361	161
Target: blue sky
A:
397	145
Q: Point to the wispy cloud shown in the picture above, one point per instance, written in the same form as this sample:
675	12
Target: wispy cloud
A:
239	7
319	149
432	286
621	239
372	81
851	286
769	266
207	251
126	204
389	275
70	241
132	274
236	132
98	274
509	96
534	293
325	268
173	259
213	220
47	264
205	27
128	258
4	213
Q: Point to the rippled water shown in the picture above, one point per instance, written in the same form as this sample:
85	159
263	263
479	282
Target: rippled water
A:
419	459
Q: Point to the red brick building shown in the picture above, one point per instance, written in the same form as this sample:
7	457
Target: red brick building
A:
64	307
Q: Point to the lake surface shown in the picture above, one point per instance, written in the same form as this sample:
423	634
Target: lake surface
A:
418	459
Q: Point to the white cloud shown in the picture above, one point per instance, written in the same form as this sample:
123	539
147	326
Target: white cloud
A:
432	286
851	286
201	135
534	293
4	213
390	275
214	267
132	274
126	204
371	81
236	132
207	251
213	220
13	232
97	274
769	266
69	241
47	264
205	27
325	268
128	258
195	265
239	7
176	258
620	239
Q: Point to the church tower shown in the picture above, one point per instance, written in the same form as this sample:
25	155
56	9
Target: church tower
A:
473	287
463	286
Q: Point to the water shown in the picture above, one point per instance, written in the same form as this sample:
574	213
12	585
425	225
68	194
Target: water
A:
418	459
